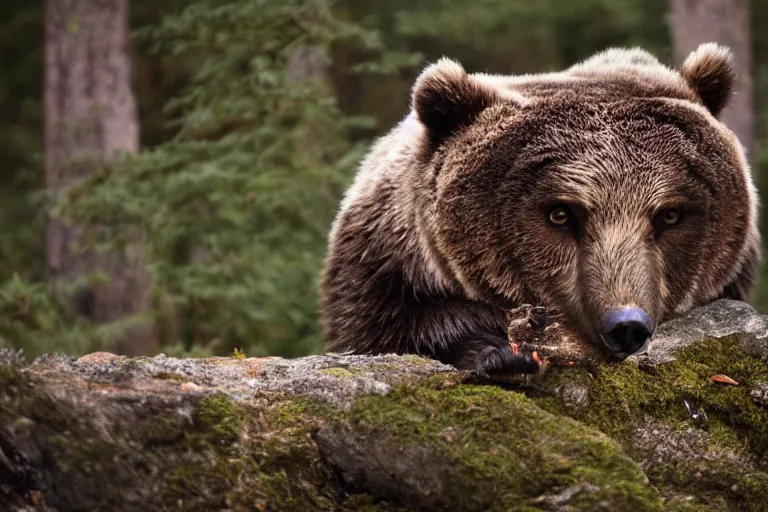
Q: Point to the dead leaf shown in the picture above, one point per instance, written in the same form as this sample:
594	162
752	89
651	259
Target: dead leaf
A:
723	379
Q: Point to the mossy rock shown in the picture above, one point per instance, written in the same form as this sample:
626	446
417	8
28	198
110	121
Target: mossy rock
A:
389	433
702	443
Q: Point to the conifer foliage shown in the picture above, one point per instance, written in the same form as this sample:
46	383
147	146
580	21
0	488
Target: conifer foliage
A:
253	117
236	208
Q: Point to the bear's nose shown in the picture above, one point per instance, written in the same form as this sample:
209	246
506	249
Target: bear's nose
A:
627	331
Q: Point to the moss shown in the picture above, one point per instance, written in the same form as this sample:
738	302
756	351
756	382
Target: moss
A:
755	485
690	504
385	368
73	25
731	404
508	450
342	372
248	455
218	417
229	456
11	378
86	455
261	455
132	365
436	382
366	503
622	395
418	360
170	376
164	428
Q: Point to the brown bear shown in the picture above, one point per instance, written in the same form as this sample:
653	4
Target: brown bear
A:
609	190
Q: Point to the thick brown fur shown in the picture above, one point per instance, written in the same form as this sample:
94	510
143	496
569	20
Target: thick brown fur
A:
445	227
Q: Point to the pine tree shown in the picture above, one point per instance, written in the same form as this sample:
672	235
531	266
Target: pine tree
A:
238	206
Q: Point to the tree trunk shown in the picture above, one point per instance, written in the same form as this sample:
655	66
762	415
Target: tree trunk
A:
90	119
726	22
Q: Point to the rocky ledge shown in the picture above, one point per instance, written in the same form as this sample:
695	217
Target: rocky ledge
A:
683	428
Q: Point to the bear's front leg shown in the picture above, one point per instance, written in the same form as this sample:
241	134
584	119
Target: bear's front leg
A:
487	354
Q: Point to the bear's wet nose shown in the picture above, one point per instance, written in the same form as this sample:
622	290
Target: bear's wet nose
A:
627	331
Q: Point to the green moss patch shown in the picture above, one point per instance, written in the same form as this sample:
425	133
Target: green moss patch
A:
248	456
623	393
623	396
169	376
418	360
342	372
497	450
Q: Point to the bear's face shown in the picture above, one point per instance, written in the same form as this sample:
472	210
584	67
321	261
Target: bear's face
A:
606	210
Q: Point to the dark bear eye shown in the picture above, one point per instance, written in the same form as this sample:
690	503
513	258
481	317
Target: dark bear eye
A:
670	216
559	215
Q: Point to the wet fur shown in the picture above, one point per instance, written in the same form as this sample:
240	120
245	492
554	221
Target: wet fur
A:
444	228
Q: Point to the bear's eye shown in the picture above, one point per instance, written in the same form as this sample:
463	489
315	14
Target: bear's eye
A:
670	216
559	215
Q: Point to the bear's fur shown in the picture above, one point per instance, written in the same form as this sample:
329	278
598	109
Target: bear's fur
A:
445	227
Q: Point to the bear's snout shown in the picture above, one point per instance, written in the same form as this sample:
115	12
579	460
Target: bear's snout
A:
627	331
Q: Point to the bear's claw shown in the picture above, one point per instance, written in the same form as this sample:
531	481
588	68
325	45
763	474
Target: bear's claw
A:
509	359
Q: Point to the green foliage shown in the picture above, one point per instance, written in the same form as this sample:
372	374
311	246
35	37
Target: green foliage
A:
513	36
759	17
244	161
21	126
31	319
236	208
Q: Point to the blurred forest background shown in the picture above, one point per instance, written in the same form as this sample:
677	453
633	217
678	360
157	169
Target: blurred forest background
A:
170	168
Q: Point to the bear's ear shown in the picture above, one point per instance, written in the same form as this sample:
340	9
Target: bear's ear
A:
446	99
709	72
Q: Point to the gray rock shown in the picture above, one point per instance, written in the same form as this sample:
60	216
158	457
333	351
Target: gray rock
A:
331	432
716	320
574	394
759	393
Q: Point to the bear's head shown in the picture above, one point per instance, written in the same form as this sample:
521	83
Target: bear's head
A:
610	191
